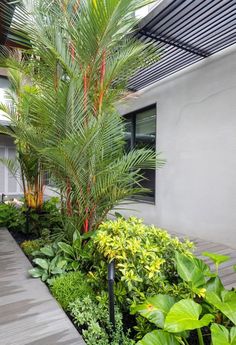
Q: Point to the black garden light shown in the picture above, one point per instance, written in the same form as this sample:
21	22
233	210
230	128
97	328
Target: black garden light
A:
111	279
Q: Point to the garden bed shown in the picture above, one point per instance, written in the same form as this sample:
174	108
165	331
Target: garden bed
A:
153	269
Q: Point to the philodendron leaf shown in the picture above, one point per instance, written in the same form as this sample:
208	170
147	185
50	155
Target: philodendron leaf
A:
155	309
42	263
158	337
225	301
184	315
216	258
192	270
221	336
214	285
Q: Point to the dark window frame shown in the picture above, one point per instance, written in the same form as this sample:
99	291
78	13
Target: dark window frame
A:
132	116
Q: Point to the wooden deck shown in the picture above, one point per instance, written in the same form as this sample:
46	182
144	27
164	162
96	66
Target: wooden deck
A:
29	315
226	271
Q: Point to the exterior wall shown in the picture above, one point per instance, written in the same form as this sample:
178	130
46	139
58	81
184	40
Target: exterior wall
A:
4	84
196	133
8	183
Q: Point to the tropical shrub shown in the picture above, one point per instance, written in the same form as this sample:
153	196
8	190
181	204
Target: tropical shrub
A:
93	317
67	288
86	54
74	253
48	218
32	247
210	306
27	166
144	257
49	263
11	217
29	247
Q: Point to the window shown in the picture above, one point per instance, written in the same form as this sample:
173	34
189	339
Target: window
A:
140	131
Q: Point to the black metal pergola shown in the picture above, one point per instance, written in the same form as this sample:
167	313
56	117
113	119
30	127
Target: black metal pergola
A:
184	31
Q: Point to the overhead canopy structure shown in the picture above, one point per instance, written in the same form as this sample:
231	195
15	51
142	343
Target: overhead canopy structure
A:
5	20
185	31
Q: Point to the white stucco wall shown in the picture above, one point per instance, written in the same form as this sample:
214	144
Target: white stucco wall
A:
196	132
4	84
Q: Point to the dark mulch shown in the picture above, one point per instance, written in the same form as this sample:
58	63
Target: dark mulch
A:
21	237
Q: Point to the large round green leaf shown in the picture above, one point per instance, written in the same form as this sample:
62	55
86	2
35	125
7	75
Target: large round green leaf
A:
158	337
225	301
184	315
222	336
155	308
192	270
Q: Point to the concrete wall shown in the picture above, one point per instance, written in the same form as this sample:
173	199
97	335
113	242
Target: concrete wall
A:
196	132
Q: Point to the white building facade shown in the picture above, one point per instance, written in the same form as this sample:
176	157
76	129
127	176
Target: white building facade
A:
195	191
8	183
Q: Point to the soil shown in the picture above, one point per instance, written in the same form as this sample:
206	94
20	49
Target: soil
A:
21	237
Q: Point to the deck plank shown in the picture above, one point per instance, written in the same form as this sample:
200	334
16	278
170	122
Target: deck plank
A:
29	315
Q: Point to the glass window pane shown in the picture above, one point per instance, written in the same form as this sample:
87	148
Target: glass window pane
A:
146	129
128	133
146	137
140	132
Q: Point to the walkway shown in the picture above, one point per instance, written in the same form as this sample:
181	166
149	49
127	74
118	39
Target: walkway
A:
29	315
226	271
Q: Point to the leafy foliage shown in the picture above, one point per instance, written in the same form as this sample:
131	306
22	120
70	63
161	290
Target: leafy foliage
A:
29	247
177	317
11	217
184	315
222	336
159	337
85	56
67	288
144	256
93	316
49	263
27	167
217	259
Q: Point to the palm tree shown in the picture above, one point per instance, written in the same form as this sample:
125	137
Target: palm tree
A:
27	166
83	54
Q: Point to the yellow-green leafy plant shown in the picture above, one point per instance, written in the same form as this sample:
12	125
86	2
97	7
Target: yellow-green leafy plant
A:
144	257
210	312
31	246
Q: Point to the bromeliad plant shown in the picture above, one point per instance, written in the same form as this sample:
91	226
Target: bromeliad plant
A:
74	253
82	56
211	306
